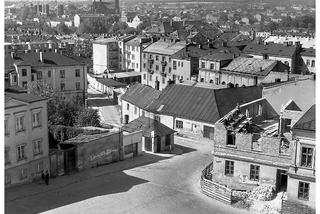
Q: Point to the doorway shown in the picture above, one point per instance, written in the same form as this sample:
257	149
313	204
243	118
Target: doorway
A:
157	84
282	180
126	119
158	144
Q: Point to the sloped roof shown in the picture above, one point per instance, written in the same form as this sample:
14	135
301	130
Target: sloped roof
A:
308	52
260	67
147	125
33	59
141	95
24	97
292	106
163	47
201	104
110	82
218	56
271	49
307	121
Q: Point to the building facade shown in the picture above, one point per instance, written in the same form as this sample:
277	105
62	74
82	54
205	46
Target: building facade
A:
26	138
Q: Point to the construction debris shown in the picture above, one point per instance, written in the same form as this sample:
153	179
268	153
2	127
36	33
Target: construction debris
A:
263	193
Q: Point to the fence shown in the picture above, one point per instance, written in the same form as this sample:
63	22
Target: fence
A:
213	189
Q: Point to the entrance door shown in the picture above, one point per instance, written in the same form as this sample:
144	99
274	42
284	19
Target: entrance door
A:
282	180
69	160
126	119
147	144
157	84
158	144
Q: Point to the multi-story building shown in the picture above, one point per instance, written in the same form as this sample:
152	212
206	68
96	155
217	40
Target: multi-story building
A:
42	9
308	56
80	18
105	6
122	55
156	63
26	137
285	53
63	74
242	71
301	189
105	55
133	53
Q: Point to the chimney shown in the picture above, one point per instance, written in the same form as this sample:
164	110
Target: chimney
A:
41	56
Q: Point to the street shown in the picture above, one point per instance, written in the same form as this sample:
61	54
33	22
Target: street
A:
149	184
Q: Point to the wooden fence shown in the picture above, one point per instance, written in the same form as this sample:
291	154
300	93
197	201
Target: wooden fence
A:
213	189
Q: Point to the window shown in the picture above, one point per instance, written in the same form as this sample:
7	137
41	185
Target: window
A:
287	125
49	74
132	48
62	73
133	57
128	149
137	65
163	58
19	123
77	72
178	63
39	75
169	69
132	65
21	152
312	63
24	84
157	58
128	106
231	138
8	179
6	127
144	56
36	119
144	76
303	191
62	86
163	80
157	67
157	117
77	85
179	124
163	69
308	62
150	77
144	65
37	149
24	72
202	80
135	110
254	172
229	167
181	64
174	65
6	156
203	64
150	56
211	66
15	78
259	110
306	157
23	173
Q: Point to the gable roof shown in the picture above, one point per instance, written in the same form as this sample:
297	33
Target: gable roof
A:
201	104
271	49
292	106
147	125
307	121
140	95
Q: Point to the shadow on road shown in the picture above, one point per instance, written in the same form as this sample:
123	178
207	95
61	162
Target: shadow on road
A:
99	102
184	149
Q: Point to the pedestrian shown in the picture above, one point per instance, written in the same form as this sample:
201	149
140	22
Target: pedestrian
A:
47	177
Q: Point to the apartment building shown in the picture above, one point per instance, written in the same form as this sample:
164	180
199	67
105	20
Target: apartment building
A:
122	51
105	54
156	63
26	137
63	74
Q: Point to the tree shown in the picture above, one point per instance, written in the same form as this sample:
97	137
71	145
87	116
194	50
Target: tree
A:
88	117
62	28
41	89
223	17
272	26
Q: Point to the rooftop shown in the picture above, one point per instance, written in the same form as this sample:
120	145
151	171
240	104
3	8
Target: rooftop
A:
308	52
110	82
307	121
147	125
270	49
24	97
164	47
104	41
88	138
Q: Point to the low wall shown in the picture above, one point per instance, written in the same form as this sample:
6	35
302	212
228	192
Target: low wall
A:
213	189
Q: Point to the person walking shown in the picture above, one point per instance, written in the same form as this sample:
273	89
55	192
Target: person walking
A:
42	175
47	177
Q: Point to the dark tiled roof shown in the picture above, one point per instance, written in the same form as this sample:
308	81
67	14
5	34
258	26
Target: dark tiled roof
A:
141	95
218	56
49	59
270	49
111	83
308	52
147	125
201	104
24	97
307	121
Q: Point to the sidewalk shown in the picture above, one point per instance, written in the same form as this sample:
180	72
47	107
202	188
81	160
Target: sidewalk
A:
30	189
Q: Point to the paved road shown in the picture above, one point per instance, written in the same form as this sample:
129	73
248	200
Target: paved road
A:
170	184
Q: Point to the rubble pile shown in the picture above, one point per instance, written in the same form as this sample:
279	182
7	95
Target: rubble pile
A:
262	193
267	209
